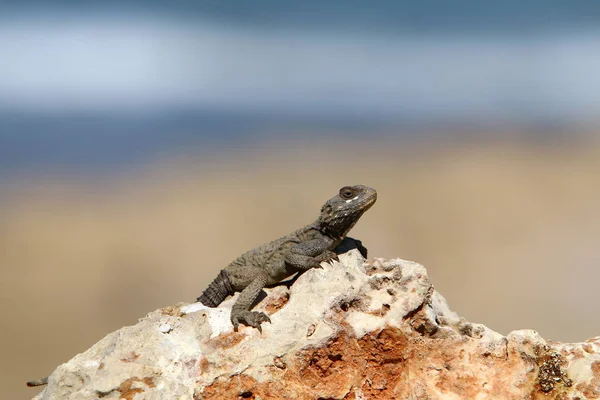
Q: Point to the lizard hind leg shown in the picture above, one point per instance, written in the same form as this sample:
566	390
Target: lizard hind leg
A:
217	291
240	312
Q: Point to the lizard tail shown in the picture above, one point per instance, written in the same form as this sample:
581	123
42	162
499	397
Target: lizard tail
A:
217	291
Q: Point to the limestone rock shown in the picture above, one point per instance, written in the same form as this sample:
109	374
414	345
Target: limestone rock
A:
351	330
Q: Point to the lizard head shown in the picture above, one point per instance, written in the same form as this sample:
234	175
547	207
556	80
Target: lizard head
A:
341	212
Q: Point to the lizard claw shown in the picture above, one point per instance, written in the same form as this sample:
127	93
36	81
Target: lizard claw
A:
331	257
325	257
249	318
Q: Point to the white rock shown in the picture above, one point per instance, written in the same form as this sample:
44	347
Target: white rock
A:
373	330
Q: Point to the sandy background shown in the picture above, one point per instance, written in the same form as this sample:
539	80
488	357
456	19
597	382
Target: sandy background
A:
507	230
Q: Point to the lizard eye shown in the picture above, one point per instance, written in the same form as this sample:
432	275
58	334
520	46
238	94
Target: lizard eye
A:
346	192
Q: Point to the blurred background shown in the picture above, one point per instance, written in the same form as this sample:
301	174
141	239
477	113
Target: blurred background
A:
144	145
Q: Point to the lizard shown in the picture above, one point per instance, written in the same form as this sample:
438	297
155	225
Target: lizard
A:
269	264
306	248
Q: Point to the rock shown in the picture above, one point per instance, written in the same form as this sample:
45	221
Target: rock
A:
351	330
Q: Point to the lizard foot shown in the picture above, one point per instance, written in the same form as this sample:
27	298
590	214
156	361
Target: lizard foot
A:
249	318
327	257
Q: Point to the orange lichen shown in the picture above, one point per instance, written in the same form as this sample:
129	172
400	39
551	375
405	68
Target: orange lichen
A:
275	304
228	340
127	390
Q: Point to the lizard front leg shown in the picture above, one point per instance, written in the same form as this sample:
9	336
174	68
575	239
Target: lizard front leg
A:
310	254
240	312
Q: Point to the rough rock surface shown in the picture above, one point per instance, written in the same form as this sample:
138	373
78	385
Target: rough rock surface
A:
351	330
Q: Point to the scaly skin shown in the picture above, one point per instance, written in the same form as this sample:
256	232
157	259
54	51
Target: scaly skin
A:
299	251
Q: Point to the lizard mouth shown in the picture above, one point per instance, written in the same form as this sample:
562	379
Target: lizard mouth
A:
370	200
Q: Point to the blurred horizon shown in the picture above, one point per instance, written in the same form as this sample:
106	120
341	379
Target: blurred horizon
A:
84	79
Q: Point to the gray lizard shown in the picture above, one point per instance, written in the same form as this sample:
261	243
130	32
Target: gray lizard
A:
297	252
